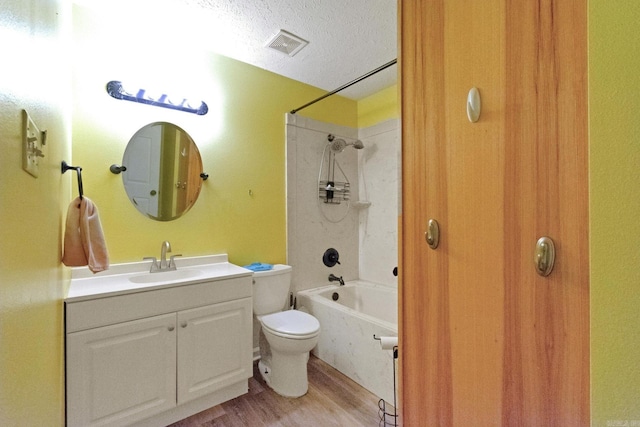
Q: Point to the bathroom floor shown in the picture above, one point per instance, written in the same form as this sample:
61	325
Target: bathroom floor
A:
333	400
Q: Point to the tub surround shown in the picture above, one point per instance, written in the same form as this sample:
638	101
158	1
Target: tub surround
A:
380	184
309	233
346	342
367	238
150	348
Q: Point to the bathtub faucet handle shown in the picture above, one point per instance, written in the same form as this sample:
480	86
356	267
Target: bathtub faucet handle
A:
334	278
331	257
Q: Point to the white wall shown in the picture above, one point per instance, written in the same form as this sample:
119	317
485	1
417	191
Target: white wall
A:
367	238
379	168
309	233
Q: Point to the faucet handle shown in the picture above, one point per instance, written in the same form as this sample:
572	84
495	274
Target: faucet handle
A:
172	261
154	262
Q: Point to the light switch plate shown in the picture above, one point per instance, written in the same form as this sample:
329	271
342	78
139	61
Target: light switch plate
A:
32	144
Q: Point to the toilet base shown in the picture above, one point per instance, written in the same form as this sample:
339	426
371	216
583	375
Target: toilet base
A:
265	372
286	373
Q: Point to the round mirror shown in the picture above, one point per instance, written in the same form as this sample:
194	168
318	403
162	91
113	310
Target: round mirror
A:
163	167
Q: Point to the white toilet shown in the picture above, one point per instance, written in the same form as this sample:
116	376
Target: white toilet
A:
290	334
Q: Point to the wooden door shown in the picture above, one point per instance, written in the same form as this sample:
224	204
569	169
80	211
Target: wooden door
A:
484	339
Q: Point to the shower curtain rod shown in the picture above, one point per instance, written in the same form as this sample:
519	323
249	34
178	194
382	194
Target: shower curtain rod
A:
333	92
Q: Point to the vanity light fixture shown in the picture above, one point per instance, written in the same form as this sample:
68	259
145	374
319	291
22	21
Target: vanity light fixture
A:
117	90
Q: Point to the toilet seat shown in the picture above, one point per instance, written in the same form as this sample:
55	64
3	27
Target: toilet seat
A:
292	324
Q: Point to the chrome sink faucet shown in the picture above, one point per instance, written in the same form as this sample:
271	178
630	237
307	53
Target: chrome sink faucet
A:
163	265
166	247
334	278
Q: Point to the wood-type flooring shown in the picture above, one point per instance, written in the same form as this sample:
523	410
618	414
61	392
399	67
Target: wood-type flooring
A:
333	399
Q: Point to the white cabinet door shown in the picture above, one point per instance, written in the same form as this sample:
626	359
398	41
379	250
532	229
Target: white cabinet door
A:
214	348
121	373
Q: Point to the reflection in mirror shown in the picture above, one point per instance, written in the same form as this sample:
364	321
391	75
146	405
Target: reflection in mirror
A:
163	167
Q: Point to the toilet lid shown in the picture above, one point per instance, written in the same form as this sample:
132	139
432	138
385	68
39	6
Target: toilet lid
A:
291	322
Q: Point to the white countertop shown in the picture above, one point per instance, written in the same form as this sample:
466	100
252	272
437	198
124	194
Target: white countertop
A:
117	280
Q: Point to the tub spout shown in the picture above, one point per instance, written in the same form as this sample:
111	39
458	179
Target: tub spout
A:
334	278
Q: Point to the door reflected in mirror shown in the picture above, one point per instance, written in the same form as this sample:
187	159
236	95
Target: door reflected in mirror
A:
162	178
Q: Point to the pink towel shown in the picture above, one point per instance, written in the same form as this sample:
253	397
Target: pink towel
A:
84	242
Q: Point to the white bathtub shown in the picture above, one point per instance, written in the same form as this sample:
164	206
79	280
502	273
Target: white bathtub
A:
348	324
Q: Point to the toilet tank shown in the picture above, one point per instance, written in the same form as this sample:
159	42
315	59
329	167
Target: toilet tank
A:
271	289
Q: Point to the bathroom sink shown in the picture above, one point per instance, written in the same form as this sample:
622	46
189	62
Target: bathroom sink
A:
132	277
165	276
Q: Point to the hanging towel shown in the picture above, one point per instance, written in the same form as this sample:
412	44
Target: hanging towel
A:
84	242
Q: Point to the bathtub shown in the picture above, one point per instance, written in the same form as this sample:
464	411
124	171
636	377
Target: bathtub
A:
348	324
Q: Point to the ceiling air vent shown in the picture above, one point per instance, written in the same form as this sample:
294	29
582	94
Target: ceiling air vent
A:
287	43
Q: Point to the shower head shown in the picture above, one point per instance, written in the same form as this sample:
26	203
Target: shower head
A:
358	145
339	144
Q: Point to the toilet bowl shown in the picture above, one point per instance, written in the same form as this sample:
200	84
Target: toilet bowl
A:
286	337
290	335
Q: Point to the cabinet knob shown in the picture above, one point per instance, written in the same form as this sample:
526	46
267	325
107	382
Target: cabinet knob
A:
171	328
183	325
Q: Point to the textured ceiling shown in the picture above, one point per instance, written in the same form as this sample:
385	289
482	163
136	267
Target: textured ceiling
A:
347	38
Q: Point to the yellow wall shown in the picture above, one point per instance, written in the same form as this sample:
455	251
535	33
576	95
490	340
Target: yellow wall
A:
378	107
241	140
242	144
614	89
35	76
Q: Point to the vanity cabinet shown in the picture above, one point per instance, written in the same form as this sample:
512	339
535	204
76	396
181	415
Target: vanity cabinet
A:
157	356
121	372
214	348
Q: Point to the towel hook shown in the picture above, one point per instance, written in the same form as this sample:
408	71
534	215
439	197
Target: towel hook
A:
65	167
116	169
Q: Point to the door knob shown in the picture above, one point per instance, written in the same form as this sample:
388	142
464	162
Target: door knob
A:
545	256
432	235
